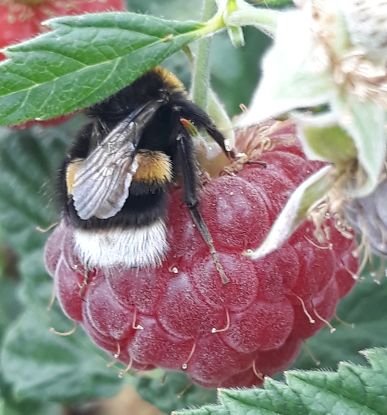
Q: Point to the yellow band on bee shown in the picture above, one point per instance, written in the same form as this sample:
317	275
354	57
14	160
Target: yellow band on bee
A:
153	167
169	78
71	171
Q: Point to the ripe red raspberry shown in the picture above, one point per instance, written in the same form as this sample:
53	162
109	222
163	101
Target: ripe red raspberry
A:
181	316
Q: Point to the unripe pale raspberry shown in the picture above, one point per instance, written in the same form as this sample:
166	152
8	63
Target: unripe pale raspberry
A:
367	215
181	316
367	25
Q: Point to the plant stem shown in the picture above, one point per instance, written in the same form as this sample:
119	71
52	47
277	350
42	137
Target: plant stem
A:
274	3
263	19
221	119
201	68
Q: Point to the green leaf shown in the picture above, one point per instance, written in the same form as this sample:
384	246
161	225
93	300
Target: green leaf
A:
12	406
365	123
205	410
9	305
352	390
83	60
172	391
293	76
29	161
264	19
41	365
307	194
323	139
364	313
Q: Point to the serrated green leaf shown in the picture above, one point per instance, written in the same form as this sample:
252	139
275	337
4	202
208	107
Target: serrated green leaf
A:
295	211
376	357
365	123
205	410
352	390
278	400
64	368
323	139
84	60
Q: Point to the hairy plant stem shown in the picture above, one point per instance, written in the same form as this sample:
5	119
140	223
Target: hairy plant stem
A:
201	67
274	3
264	19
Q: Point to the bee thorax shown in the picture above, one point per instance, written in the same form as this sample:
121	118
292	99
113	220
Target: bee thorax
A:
143	246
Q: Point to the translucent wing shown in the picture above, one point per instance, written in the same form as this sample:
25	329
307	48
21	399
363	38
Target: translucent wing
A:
101	184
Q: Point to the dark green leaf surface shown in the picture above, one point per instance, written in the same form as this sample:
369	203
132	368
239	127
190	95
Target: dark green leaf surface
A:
352	390
83	60
173	391
66	368
206	410
28	164
12	406
9	305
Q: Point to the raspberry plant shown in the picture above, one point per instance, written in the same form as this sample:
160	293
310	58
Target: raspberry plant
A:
85	59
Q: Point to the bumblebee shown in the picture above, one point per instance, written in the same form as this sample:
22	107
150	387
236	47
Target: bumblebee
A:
115	179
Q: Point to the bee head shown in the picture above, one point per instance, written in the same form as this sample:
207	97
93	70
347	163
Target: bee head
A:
157	84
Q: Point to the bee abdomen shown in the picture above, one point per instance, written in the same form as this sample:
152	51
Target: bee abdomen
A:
143	246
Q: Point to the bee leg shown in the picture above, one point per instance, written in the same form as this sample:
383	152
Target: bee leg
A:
185	153
201	120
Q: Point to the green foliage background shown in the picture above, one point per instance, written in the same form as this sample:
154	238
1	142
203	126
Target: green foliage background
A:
70	370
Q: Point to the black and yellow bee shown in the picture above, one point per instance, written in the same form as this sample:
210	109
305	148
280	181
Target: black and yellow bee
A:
114	182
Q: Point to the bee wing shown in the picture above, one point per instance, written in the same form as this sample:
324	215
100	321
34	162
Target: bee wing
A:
101	184
102	191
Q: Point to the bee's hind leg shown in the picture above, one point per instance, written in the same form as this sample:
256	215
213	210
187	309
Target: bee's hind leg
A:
188	170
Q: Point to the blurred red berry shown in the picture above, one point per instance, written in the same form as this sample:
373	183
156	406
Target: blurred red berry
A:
181	316
21	20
